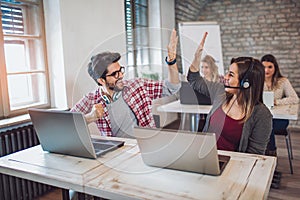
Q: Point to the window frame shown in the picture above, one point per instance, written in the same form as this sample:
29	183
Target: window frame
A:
133	27
29	40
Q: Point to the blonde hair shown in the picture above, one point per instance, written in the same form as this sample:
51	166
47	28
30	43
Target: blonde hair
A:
213	67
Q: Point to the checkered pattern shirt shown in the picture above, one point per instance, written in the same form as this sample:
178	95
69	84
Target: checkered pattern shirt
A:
137	93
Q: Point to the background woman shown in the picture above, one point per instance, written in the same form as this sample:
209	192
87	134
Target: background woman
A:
209	69
284	93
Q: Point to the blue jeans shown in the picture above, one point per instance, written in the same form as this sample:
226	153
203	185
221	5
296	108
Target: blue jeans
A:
278	124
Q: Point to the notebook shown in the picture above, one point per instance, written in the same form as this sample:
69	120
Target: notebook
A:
65	132
192	97
268	98
180	150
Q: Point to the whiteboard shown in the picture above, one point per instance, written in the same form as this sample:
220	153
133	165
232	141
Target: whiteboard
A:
191	33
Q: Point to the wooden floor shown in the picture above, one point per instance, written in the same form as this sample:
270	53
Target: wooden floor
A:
290	183
55	195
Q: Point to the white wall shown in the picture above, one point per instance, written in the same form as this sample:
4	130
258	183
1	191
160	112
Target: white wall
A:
161	23
155	39
55	53
76	30
167	23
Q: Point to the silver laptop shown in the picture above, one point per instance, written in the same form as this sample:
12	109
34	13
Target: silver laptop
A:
67	133
189	96
268	98
180	150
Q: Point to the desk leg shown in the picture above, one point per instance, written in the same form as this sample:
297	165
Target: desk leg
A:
194	122
182	123
81	196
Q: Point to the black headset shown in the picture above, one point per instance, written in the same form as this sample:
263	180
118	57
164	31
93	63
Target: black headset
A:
245	83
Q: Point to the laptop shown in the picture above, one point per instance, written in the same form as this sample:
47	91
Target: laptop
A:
268	98
192	97
65	132
180	150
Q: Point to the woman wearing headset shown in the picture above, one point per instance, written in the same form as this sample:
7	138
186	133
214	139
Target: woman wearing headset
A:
238	117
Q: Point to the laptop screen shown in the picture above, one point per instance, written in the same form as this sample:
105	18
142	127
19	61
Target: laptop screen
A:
67	133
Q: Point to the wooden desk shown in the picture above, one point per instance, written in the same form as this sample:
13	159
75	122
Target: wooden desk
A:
121	174
289	112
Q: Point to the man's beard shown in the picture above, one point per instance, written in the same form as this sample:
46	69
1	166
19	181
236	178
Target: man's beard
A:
115	87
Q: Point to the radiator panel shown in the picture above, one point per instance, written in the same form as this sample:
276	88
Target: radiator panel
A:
14	139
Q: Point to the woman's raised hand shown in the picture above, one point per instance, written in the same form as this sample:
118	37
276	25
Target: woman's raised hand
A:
199	50
195	66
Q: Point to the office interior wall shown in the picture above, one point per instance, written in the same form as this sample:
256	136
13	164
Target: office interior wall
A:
76	30
168	23
253	28
55	54
161	22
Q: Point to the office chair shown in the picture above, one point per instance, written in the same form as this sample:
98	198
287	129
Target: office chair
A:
286	133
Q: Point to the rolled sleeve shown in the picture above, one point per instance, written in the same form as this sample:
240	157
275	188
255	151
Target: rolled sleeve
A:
170	88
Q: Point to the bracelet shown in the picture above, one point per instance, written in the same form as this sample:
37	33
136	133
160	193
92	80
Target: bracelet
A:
170	63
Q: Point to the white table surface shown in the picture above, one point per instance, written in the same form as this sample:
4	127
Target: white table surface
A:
289	112
177	107
121	174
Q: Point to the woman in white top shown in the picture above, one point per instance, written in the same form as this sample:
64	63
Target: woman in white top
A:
284	93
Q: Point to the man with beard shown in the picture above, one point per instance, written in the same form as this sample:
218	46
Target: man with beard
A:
118	105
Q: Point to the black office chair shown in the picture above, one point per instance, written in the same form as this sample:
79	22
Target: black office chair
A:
286	133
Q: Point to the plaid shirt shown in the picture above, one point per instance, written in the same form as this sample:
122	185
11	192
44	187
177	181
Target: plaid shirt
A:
137	93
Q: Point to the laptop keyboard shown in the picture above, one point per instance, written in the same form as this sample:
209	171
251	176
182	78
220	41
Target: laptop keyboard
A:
99	146
103	146
223	160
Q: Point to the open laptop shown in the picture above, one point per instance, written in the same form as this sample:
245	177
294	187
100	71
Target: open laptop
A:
180	150
192	97
67	133
268	98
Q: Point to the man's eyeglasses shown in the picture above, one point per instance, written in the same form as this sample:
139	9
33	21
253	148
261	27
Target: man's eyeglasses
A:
116	74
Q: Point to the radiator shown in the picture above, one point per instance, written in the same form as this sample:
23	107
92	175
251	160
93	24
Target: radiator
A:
12	139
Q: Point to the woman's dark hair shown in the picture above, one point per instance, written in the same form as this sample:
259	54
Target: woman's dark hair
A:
255	75
277	74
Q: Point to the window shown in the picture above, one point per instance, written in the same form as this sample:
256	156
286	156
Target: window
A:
137	35
24	76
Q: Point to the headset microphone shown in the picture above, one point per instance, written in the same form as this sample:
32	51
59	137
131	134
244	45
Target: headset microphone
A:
228	86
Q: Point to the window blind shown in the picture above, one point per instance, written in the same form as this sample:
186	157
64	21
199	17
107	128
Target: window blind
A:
12	20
